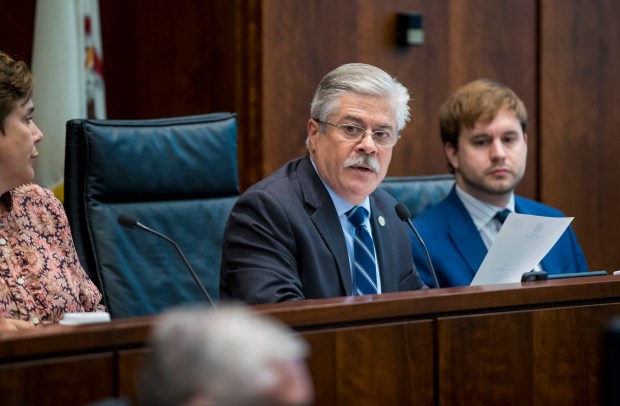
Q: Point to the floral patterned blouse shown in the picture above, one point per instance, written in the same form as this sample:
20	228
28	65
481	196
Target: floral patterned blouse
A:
40	275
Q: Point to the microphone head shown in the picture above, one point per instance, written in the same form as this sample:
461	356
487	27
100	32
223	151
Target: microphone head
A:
403	212
127	221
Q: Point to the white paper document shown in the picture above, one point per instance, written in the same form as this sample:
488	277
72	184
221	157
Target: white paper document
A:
75	319
521	244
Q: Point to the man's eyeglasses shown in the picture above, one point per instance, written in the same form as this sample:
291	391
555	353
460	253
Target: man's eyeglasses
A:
353	132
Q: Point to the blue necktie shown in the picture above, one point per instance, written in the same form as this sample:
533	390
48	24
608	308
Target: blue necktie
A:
364	253
502	215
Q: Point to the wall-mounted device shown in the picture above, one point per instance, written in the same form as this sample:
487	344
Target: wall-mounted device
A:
409	30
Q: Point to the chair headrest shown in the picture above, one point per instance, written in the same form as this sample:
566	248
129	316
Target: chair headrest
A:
162	159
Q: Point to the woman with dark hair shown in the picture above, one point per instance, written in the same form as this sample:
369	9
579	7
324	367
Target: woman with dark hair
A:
41	278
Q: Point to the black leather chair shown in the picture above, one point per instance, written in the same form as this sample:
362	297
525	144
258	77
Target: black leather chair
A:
418	192
177	176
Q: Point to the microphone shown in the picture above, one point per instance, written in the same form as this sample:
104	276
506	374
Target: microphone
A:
542	275
131	223
405	215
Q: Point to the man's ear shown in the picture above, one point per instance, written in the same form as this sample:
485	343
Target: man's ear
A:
314	130
451	154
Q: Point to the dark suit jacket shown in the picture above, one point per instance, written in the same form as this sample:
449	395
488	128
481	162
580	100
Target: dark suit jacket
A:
284	241
457	250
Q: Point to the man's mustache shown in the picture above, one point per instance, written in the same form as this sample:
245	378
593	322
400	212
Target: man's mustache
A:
364	160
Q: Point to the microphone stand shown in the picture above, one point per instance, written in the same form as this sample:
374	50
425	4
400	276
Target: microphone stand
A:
129	222
405	215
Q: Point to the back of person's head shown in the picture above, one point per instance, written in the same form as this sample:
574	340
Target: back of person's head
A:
361	79
227	356
16	84
479	100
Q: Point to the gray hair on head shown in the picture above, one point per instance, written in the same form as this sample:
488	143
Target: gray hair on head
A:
222	354
362	79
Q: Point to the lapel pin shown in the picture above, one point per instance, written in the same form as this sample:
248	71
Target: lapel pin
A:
381	221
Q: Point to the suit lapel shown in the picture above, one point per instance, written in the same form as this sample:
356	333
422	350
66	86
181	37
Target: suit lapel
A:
383	245
323	214
463	233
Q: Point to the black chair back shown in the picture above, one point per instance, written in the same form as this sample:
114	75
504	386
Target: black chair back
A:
177	176
418	193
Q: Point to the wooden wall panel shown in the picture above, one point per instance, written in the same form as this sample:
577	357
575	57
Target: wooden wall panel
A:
263	60
487	348
58	381
461	44
498	40
165	58
580	95
129	365
389	364
531	343
186	57
17	28
534	358
334	33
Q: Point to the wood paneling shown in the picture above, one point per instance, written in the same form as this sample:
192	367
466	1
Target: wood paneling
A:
164	59
579	98
129	363
73	380
498	40
540	353
456	50
385	364
499	342
534	343
264	60
17	28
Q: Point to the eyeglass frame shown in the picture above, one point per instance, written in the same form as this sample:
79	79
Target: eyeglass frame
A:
357	138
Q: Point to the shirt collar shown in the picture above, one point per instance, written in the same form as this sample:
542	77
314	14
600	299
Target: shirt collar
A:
482	212
341	205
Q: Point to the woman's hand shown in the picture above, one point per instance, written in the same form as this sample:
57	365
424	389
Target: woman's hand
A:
14	325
